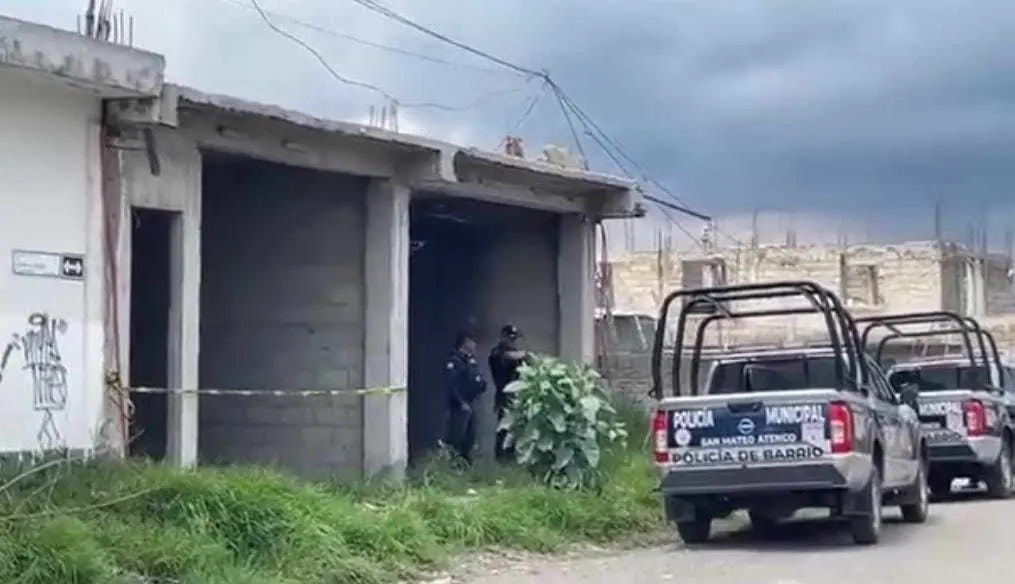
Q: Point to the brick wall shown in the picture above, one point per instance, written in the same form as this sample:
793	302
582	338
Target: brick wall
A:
282	308
1000	295
894	278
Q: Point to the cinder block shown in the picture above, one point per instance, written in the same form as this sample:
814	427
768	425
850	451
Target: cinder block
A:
282	291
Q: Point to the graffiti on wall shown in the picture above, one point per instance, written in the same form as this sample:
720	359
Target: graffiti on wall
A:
38	347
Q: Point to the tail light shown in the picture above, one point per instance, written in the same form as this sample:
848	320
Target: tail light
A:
976	417
660	439
840	426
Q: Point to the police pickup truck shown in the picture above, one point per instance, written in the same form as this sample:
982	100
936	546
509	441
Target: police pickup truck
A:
774	431
964	411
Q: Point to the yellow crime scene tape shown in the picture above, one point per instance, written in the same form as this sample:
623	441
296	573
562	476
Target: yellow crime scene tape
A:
113	382
271	392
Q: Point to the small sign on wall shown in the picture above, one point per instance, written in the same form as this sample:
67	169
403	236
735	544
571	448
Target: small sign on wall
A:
65	266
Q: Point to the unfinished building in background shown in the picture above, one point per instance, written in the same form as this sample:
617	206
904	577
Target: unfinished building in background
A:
871	279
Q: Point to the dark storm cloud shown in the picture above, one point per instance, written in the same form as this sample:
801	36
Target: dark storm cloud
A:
850	106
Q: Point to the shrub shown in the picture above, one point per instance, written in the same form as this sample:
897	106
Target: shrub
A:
560	422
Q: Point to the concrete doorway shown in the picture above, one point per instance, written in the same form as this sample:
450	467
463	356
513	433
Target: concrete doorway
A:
473	265
150	301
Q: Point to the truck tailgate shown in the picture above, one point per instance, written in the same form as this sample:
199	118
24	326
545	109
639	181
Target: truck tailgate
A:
745	429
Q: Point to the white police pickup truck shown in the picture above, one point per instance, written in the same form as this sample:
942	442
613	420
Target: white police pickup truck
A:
774	431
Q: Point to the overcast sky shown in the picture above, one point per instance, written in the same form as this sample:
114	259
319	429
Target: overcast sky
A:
851	114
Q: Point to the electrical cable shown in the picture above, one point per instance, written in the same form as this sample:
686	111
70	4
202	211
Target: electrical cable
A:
568	106
529	107
570	124
348	81
566	102
362	41
383	10
317	55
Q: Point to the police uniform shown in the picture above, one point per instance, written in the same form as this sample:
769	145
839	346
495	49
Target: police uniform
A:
463	383
504	370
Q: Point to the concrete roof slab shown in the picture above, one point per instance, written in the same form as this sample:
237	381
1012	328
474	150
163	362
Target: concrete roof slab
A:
448	168
106	69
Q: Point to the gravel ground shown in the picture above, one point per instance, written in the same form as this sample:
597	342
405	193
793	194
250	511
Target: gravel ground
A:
967	537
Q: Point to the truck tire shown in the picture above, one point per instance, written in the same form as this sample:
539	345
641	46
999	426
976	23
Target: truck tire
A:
697	530
940	486
762	524
999	476
917	510
866	528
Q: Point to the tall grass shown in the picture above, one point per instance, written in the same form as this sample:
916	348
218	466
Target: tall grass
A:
132	522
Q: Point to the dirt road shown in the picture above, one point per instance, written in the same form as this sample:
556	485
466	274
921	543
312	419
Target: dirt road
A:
968	538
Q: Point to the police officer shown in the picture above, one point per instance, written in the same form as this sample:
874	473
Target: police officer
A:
463	383
504	360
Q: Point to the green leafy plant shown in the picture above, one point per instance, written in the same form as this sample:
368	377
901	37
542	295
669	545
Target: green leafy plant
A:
560	422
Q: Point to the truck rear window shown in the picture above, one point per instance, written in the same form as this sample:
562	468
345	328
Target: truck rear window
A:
941	377
773	375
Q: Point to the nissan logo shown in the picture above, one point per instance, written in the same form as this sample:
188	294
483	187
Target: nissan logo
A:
746	426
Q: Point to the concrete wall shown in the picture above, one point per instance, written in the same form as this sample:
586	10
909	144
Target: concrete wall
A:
869	278
282	308
50	202
1000	294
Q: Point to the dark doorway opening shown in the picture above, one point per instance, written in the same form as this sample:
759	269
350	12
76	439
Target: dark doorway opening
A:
443	270
150	293
476	265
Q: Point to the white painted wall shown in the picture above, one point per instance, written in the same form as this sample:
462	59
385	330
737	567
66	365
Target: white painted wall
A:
50	201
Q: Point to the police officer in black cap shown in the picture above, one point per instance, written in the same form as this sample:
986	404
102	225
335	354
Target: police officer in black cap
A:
463	383
504	360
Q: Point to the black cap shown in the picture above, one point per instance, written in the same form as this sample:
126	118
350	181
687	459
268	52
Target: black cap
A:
510	330
465	335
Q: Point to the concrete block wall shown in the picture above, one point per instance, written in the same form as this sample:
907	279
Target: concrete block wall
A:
1000	292
282	308
908	277
629	374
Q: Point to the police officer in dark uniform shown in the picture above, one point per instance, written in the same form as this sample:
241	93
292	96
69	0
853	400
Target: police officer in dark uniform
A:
463	383
504	361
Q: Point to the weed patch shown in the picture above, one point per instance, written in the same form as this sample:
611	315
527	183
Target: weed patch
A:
131	522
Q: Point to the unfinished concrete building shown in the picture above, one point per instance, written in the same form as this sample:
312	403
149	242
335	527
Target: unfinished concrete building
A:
911	276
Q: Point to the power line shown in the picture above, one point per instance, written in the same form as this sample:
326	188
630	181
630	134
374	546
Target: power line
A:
353	82
565	101
528	107
383	10
570	125
361	41
317	55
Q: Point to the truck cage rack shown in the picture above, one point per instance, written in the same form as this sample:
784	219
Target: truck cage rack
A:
842	330
964	326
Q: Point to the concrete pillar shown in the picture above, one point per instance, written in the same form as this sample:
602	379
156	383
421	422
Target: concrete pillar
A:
184	337
180	187
386	355
576	288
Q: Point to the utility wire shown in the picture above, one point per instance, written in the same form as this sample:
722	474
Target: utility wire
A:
348	81
383	10
361	41
565	101
317	55
570	124
528	107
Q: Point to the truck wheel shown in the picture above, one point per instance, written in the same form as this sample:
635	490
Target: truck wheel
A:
917	510
762	524
940	486
696	530
866	528
999	476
